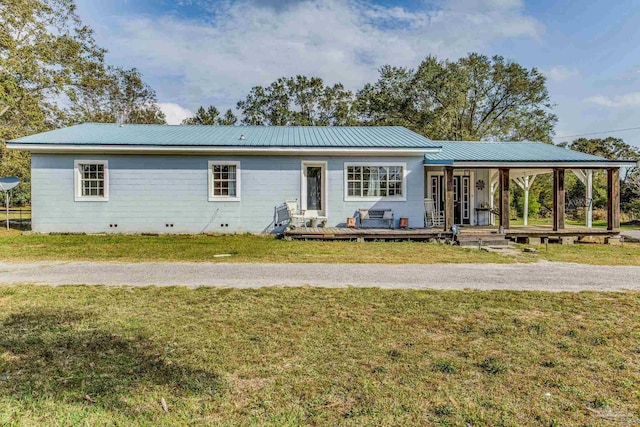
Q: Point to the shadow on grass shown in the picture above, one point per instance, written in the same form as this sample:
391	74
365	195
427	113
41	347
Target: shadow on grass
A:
60	356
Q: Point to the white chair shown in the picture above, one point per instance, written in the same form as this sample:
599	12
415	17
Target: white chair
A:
432	217
296	216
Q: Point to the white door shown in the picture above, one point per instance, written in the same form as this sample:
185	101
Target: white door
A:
313	195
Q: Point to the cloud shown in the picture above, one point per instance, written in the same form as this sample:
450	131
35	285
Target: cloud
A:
628	100
561	73
174	113
217	57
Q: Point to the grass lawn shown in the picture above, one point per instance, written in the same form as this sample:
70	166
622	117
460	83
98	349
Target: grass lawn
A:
95	356
243	248
249	248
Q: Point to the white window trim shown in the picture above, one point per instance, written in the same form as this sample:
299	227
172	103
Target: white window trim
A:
77	179
213	198
348	198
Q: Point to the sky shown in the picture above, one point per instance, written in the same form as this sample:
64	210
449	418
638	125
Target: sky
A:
205	52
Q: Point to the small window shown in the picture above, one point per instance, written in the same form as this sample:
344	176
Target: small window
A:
91	180
375	182
224	180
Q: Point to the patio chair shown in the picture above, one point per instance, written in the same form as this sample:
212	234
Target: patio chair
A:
432	217
296	215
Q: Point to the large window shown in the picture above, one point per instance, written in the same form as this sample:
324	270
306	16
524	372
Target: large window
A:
375	181
224	180
91	180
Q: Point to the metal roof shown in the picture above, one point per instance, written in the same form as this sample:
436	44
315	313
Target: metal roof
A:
91	134
481	151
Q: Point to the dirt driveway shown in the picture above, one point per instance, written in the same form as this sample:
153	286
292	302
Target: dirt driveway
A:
545	276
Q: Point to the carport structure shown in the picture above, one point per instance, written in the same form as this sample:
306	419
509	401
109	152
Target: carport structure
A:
520	162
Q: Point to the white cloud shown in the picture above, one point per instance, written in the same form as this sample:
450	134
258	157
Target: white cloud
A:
628	100
216	59
561	73
174	113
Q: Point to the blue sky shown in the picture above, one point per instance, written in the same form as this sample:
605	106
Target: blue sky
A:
201	52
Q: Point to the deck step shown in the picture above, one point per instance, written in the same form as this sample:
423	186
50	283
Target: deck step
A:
476	243
481	239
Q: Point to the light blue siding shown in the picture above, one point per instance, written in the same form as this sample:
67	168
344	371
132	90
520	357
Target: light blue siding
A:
146	192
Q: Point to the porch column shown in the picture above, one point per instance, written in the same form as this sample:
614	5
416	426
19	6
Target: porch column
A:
526	182
558	199
448	198
504	197
613	199
589	197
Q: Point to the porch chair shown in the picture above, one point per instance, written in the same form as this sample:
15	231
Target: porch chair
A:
296	216
432	218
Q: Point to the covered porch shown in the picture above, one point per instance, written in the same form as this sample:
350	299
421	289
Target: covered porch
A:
494	167
484	197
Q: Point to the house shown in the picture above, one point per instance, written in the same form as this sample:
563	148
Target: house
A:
98	178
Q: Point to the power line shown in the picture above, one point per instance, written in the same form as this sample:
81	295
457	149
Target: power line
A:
596	133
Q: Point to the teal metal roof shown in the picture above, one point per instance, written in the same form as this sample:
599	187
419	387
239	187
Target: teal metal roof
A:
481	151
230	136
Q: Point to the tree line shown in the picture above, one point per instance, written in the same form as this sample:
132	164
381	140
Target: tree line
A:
53	74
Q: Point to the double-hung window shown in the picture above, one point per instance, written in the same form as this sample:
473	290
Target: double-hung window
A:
91	180
224	180
375	182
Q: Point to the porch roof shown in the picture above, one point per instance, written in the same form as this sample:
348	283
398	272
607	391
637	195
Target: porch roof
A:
513	154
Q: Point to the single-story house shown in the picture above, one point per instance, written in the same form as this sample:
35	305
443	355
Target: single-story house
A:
98	178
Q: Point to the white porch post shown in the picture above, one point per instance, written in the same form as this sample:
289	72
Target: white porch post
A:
526	200
525	182
589	193
586	177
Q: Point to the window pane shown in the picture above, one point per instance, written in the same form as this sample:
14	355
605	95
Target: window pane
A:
224	180
92	179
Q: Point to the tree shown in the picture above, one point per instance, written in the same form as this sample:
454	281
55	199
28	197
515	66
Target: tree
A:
614	149
45	52
229	119
474	98
123	97
299	101
211	116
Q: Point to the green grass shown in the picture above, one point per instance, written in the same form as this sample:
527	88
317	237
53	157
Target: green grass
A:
308	356
249	248
243	248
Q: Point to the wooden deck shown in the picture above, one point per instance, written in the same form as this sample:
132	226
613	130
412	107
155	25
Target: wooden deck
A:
343	233
516	233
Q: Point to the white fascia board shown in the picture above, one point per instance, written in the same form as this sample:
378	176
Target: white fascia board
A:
545	165
266	151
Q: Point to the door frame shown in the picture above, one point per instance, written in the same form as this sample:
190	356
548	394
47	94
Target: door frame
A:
324	213
472	193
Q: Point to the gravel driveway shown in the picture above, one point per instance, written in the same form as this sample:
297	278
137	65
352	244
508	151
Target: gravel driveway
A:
545	276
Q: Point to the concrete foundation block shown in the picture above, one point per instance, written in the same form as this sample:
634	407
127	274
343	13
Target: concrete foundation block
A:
613	240
533	241
567	240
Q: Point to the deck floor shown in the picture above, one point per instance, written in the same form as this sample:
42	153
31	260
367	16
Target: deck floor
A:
343	233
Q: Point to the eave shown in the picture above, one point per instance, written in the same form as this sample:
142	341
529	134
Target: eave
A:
218	150
590	164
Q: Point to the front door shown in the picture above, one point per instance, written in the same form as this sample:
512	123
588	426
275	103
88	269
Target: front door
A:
461	197
313	197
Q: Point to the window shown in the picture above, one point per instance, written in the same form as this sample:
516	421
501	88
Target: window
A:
375	182
224	180
91	180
